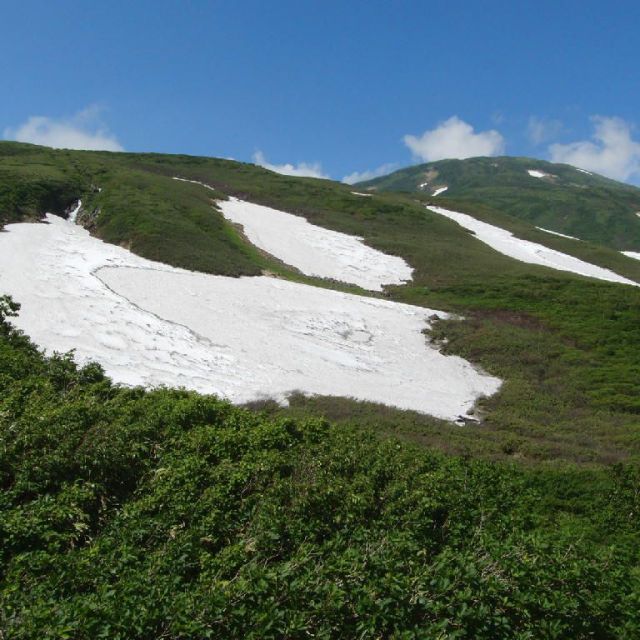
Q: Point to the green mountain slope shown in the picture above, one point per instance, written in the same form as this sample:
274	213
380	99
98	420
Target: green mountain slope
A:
132	200
564	199
134	514
570	369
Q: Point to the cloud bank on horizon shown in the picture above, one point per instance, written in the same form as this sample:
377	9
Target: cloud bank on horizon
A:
370	174
612	151
83	131
301	170
454	138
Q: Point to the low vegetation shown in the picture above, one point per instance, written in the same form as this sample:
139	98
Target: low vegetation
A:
127	513
133	514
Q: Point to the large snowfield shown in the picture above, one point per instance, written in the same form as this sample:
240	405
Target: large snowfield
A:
244	339
314	250
506	243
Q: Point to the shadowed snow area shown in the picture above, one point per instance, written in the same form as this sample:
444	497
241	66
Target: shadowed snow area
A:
526	251
151	324
314	250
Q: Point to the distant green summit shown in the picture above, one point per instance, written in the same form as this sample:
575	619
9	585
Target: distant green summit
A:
553	196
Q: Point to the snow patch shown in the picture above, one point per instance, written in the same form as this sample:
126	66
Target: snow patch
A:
584	171
526	251
314	250
202	184
364	195
536	174
632	254
244	339
422	185
439	190
73	215
557	233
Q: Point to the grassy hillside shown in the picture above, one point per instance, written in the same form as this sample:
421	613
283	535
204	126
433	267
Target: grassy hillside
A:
566	199
132	200
128	514
567	347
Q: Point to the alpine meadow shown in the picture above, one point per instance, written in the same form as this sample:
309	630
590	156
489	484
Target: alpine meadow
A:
320	321
163	513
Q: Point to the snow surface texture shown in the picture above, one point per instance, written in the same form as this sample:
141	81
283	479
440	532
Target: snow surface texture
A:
632	254
244	339
438	191
557	233
536	174
314	250
526	251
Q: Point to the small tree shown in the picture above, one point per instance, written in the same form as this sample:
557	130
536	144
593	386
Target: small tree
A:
8	309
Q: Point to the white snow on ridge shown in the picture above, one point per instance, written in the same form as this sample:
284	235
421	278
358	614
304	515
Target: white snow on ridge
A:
632	254
151	324
526	251
364	195
439	190
557	233
583	171
314	250
202	184
536	174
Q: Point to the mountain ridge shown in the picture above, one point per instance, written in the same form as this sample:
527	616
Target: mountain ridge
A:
559	197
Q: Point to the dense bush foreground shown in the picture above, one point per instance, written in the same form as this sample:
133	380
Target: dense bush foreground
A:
129	514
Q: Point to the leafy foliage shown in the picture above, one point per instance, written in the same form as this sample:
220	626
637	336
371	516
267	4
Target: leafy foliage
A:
133	514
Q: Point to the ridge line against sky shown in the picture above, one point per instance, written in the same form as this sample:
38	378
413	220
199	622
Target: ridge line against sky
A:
328	90
612	151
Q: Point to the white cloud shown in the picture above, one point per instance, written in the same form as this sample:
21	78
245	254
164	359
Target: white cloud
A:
84	130
541	130
611	152
454	138
303	169
361	176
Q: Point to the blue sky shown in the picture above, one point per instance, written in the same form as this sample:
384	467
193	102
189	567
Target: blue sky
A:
329	87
